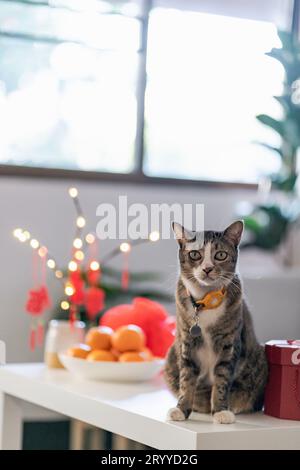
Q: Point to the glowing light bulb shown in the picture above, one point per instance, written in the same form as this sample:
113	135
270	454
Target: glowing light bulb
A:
94	266
72	266
42	251
90	238
80	222
22	238
51	263
69	290
73	192
34	244
77	243
154	236
26	234
17	232
64	305
58	274
125	247
79	255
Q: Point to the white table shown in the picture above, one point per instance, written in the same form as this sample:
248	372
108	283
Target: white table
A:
136	411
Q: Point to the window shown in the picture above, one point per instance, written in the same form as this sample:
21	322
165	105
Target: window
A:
207	79
68	86
157	88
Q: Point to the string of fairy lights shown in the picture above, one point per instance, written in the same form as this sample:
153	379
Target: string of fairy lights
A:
79	246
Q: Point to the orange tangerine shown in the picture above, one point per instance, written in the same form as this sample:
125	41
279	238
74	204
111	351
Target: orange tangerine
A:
99	337
80	350
101	355
148	354
133	356
115	353
128	338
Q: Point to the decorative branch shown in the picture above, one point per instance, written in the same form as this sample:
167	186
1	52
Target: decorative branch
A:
24	236
79	243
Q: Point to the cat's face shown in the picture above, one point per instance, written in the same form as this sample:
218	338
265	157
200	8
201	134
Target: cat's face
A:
208	258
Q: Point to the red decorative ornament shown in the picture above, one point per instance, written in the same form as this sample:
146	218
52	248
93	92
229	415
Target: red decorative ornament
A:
78	297
94	301
73	314
93	276
125	279
40	334
38	301
77	283
32	338
75	278
125	272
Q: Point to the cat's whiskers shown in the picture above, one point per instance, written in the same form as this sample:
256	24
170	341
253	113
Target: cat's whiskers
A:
235	283
236	286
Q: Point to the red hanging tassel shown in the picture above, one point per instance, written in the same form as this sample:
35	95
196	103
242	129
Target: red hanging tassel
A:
93	276
125	279
72	315
38	301
32	338
40	334
78	285
125	272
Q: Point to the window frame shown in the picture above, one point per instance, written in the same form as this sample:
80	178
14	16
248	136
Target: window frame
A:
137	175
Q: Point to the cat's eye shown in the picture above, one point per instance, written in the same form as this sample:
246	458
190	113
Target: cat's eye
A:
195	255
221	255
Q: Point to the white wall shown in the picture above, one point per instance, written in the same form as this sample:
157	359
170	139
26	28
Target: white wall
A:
45	209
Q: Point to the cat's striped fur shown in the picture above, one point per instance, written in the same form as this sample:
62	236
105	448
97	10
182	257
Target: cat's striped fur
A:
224	370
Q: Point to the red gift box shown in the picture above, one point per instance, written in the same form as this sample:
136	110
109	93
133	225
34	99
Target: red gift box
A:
282	394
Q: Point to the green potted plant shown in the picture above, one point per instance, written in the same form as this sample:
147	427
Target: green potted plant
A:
268	224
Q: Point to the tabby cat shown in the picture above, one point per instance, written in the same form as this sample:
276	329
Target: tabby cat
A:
216	364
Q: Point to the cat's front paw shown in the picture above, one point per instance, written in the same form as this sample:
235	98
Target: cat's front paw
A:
175	414
224	417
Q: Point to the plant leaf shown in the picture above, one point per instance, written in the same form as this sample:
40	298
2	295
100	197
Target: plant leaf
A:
271	122
286	38
284	101
278	150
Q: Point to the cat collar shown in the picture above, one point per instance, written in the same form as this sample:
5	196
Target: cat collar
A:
211	300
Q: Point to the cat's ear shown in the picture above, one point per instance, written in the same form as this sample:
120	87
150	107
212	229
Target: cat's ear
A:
234	232
182	234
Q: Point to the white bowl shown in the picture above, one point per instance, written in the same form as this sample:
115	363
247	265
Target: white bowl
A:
112	371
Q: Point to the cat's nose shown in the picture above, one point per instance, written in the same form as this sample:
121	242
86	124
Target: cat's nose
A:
207	270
